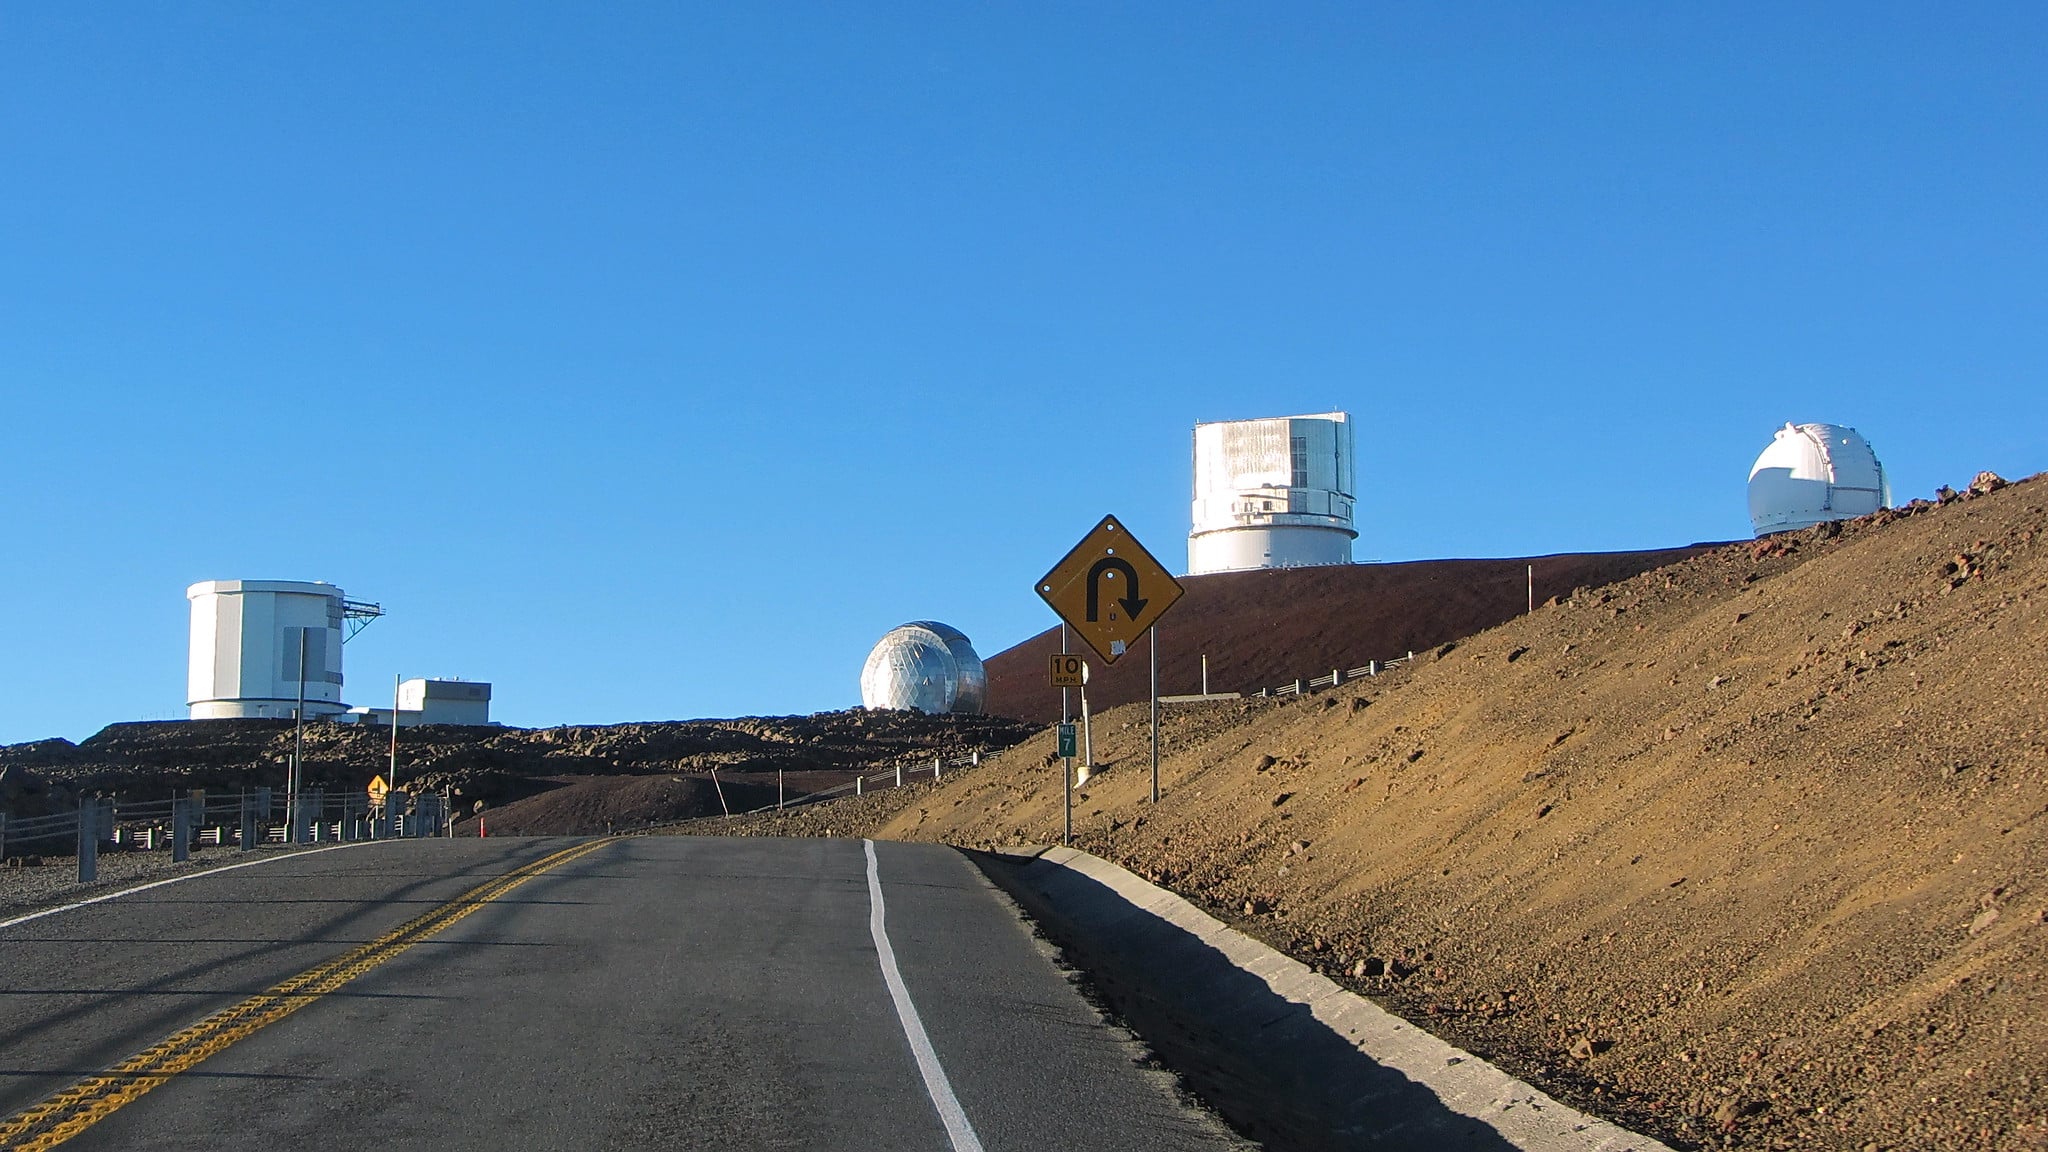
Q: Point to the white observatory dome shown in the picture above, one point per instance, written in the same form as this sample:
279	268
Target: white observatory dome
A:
925	666
1815	472
972	683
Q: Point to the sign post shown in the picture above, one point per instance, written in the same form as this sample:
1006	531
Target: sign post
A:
1154	648
1112	591
1066	756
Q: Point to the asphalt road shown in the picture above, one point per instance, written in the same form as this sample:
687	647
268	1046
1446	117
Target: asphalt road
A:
658	992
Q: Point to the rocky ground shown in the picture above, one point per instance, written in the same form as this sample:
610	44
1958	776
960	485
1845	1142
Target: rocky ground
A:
1745	851
623	774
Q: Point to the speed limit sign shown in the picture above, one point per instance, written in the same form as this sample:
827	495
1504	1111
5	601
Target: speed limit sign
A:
1068	671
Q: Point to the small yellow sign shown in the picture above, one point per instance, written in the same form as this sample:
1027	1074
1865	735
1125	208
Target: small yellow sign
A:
378	789
1067	670
1109	589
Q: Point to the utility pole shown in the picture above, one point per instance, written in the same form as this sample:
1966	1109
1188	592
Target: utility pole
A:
291	803
391	774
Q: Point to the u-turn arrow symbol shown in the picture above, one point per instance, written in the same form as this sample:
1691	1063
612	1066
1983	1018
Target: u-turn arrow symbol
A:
1131	602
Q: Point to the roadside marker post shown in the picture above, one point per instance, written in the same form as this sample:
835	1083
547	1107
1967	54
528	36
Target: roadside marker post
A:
1066	757
88	841
181	830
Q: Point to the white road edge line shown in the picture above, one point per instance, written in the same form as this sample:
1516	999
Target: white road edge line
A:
940	1089
180	879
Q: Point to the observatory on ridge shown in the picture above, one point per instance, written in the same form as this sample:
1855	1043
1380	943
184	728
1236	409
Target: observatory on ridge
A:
924	666
255	643
1815	472
1273	493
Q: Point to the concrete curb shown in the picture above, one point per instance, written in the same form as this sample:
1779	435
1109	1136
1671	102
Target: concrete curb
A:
1522	1116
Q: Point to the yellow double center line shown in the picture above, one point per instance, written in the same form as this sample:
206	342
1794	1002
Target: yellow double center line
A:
77	1108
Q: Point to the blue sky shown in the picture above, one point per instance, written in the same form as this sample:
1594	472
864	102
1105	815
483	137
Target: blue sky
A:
651	360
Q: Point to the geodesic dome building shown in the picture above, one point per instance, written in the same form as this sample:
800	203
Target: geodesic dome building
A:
926	666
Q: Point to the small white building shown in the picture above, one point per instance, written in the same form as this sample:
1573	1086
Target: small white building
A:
433	702
446	701
258	645
1273	493
1815	472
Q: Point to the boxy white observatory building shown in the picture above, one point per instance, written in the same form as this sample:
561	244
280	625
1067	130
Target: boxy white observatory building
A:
254	642
432	701
1815	472
1273	493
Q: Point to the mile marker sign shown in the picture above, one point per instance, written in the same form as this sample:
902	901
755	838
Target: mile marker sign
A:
1109	589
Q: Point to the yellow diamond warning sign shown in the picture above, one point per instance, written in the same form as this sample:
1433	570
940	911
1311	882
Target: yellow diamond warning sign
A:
1109	589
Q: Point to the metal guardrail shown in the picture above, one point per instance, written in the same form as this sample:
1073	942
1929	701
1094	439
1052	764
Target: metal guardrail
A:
246	820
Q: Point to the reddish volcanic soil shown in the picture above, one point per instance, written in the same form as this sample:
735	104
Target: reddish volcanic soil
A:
1267	628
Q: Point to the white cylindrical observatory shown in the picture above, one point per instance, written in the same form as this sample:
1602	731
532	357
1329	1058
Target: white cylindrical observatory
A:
1274	493
1815	472
246	646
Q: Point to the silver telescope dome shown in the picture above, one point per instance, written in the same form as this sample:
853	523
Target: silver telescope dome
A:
971	694
924	666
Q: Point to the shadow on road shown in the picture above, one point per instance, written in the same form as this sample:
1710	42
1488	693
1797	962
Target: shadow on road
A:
1274	1071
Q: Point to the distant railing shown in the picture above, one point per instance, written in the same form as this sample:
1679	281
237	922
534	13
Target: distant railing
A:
860	785
895	777
1337	677
902	774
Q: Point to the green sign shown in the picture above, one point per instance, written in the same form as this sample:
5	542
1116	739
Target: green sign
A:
1067	742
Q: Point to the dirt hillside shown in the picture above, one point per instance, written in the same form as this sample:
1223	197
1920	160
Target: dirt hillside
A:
1746	852
1261	629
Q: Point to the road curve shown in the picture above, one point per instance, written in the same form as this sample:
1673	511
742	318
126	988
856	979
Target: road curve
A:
653	992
